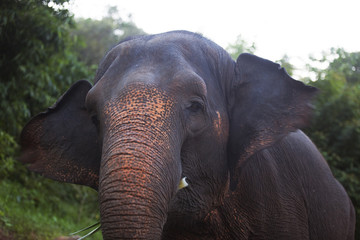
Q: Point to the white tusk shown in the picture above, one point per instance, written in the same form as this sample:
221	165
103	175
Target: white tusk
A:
183	183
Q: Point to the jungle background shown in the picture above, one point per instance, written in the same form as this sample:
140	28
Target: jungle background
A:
44	49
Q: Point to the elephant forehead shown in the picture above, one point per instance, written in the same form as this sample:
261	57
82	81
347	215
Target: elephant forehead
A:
140	99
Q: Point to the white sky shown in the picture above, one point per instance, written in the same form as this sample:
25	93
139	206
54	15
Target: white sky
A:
278	27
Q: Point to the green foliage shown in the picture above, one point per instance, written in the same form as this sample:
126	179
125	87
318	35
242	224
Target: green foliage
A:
8	148
43	209
99	36
285	63
36	66
336	125
240	46
34	58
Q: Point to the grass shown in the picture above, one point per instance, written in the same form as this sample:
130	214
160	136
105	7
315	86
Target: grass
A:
44	209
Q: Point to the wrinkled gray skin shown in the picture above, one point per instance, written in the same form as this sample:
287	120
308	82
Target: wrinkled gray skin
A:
175	105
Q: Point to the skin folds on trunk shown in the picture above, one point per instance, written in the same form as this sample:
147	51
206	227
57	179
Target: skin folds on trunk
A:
139	171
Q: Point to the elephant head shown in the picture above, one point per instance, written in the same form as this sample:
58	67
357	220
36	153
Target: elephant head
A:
164	107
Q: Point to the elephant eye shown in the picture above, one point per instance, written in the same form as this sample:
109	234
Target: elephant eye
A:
196	106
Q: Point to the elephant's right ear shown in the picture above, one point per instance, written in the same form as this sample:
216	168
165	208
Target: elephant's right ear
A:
265	105
62	143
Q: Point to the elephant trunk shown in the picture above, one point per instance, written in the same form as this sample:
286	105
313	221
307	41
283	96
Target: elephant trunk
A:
140	169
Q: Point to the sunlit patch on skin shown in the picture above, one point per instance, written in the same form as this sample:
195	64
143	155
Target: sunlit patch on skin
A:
218	125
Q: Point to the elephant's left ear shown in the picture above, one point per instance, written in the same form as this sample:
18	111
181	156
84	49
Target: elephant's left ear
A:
62	143
265	105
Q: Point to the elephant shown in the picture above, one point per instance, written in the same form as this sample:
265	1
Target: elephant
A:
175	107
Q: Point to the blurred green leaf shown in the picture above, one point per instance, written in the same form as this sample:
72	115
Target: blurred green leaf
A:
96	37
240	46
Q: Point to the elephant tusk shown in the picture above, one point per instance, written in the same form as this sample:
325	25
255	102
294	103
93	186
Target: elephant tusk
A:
183	183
